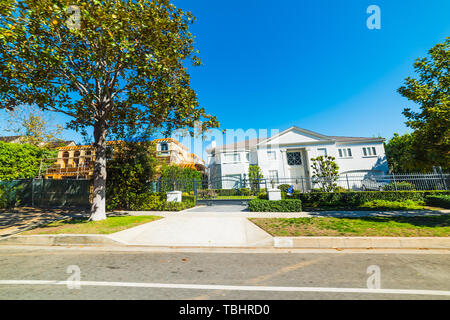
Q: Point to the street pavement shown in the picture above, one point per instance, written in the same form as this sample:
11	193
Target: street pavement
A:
190	274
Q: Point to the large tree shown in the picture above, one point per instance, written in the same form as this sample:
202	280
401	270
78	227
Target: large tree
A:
430	91
104	63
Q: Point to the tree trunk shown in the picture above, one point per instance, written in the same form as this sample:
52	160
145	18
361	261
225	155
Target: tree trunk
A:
98	209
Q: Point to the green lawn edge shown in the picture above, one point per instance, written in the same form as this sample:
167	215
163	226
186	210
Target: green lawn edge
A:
82	226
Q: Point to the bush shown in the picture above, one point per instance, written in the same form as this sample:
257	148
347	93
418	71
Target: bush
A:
441	201
403	185
284	187
245	192
356	199
258	205
207	194
9	196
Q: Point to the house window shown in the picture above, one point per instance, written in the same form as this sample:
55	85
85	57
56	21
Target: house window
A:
164	146
345	153
322	152
271	155
273	176
247	156
294	158
232	157
369	151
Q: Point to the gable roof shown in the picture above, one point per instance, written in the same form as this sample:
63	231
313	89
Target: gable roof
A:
295	128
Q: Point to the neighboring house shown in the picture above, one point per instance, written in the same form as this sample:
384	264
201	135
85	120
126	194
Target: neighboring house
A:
286	157
78	161
51	144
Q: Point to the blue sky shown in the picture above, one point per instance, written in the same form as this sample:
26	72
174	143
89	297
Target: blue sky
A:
272	64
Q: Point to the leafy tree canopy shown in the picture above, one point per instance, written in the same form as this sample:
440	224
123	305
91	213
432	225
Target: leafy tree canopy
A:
430	90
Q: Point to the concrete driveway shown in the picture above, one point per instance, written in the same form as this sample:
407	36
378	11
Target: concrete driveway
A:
192	228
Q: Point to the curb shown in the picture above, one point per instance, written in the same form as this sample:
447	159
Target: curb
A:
61	240
278	242
362	242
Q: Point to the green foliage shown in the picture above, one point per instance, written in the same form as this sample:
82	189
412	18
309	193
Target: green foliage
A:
9	196
174	177
20	161
356	199
325	173
401	155
441	201
258	205
393	205
431	124
284	187
245	192
254	177
402	185
129	171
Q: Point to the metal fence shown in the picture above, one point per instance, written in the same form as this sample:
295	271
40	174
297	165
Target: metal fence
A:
47	192
343	182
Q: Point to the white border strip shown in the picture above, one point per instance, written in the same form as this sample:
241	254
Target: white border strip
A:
224	287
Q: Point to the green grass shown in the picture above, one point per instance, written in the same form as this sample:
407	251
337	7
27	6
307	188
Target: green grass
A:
394	205
82	226
434	226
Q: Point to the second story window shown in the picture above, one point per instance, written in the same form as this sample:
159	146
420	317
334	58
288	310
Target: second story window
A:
345	153
164	146
369	151
232	157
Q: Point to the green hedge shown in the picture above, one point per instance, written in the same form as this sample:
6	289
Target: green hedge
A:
355	199
441	201
158	202
258	205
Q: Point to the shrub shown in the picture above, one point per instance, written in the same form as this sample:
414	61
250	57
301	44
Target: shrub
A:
441	201
402	185
262	196
9	196
207	194
356	199
258	205
284	187
245	192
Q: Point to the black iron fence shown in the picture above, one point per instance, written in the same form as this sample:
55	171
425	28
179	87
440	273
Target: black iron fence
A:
45	193
236	186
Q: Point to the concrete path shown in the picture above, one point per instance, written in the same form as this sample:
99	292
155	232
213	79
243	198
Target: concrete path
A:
196	230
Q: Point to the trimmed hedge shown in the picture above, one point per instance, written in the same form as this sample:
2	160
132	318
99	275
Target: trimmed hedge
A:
158	202
355	198
441	201
258	205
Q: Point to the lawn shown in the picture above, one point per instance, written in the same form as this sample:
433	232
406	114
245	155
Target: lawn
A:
82	226
235	197
435	226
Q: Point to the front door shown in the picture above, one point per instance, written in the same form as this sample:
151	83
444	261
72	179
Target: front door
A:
295	169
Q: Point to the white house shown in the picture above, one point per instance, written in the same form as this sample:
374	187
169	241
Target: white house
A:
286	157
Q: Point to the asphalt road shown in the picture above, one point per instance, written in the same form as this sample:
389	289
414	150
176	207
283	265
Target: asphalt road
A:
331	271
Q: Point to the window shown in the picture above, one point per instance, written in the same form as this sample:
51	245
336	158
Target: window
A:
271	155
164	146
345	153
369	151
294	158
273	176
322	151
232	157
247	156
